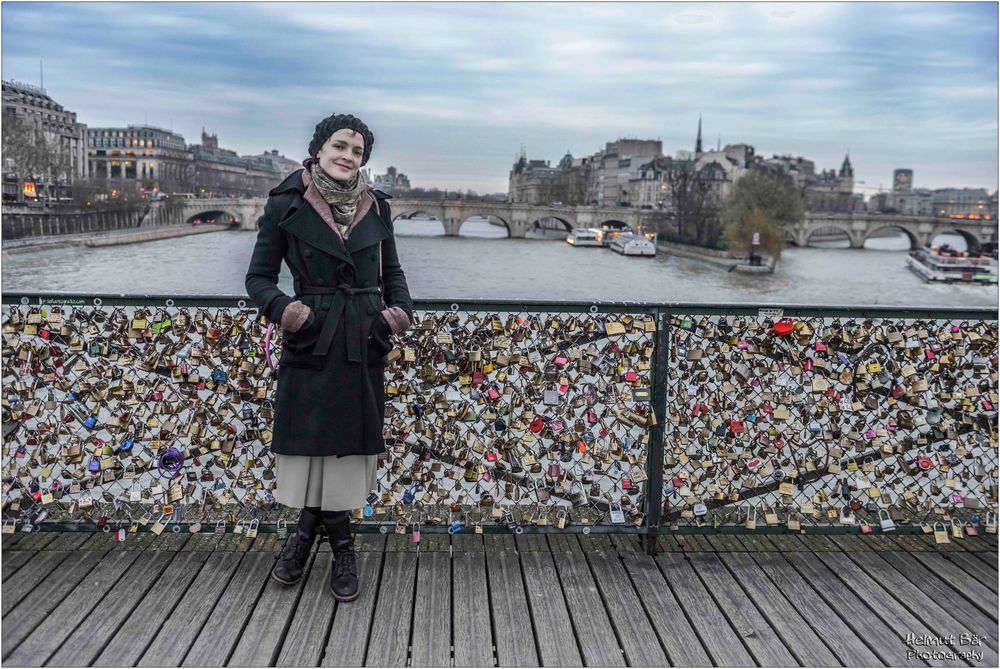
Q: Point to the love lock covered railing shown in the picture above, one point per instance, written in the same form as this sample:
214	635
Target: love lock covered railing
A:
149	412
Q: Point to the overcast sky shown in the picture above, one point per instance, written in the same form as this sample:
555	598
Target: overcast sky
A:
452	91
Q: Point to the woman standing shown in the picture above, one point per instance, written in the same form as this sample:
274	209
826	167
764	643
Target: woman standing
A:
336	236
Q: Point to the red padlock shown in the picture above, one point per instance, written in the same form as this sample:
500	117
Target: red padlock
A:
784	327
536	425
924	462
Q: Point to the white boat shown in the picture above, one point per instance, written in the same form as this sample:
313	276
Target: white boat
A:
584	237
948	265
633	245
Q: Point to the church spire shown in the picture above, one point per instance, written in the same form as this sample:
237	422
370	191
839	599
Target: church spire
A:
846	170
697	144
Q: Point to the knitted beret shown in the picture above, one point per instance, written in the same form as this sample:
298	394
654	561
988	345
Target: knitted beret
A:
335	122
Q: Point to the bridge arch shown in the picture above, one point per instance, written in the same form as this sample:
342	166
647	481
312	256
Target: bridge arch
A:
215	216
537	223
914	241
410	213
972	240
487	215
827	230
615	223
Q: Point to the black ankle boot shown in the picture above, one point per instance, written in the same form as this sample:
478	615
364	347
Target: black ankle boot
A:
292	559
344	574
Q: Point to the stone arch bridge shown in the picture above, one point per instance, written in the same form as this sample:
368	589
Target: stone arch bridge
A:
859	226
519	218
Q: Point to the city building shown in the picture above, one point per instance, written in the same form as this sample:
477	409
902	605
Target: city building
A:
902	180
35	109
155	158
392	182
537	182
649	184
832	190
971	203
272	161
221	172
613	167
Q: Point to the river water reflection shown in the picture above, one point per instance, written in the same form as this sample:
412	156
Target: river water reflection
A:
482	263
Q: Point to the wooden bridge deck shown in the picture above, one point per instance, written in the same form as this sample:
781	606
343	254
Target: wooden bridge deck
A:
77	599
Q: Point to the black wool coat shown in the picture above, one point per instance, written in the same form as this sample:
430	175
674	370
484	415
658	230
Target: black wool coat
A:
330	396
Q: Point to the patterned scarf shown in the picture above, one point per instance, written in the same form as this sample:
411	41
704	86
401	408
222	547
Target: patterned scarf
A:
342	196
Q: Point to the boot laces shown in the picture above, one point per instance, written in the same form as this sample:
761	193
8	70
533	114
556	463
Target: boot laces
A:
346	561
299	550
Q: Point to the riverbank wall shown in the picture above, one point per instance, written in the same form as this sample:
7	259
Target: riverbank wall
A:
109	238
24	223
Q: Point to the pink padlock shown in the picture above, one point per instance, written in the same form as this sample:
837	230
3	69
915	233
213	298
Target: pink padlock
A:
416	533
956	498
870	433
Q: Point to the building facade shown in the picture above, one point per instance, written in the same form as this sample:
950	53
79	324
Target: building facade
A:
392	182
63	135
154	158
537	182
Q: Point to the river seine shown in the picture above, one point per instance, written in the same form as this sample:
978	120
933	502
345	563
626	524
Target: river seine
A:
482	263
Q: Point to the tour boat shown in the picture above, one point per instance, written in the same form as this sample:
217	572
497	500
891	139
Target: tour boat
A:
633	245
584	237
946	264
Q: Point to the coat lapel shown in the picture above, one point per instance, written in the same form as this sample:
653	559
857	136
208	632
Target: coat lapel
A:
371	230
307	225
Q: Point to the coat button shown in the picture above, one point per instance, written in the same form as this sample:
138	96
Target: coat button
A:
374	257
307	253
371	310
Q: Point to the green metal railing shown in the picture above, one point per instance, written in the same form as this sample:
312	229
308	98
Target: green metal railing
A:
534	416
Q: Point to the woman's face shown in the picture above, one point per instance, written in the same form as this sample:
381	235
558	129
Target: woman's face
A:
340	156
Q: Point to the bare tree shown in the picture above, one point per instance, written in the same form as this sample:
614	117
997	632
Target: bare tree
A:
693	209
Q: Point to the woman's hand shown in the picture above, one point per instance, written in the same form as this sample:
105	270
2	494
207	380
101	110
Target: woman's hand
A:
396	318
296	316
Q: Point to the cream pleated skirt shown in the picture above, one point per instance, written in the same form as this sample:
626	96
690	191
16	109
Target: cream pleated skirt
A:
329	482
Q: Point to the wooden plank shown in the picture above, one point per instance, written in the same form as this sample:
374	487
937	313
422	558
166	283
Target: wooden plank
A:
626	543
28	577
990	558
595	542
53	629
939	593
884	640
352	621
553	629
906	593
71	541
807	647
587	611
721	642
531	543
467	542
848	543
725	543
14	560
636	636
759	637
880	543
38	604
390	632
436	542
818	543
473	641
184	623
37	541
849	648
222	631
499	543
10	541
667	543
515	647
563	543
975	567
303	643
86	640
431	645
130	640
678	639
958	579
787	542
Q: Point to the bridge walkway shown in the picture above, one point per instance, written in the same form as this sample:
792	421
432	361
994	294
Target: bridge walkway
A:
79	599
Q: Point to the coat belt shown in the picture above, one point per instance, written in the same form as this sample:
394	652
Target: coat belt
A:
343	298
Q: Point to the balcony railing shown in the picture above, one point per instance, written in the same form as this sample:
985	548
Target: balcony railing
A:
523	416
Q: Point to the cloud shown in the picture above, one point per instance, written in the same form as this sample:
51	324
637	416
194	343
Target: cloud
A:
455	89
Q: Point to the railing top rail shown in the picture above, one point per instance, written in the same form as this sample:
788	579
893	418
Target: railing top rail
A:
512	304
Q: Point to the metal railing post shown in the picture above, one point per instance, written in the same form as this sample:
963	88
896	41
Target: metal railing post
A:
654	459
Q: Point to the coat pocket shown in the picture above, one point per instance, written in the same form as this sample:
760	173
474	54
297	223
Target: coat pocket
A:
380	339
